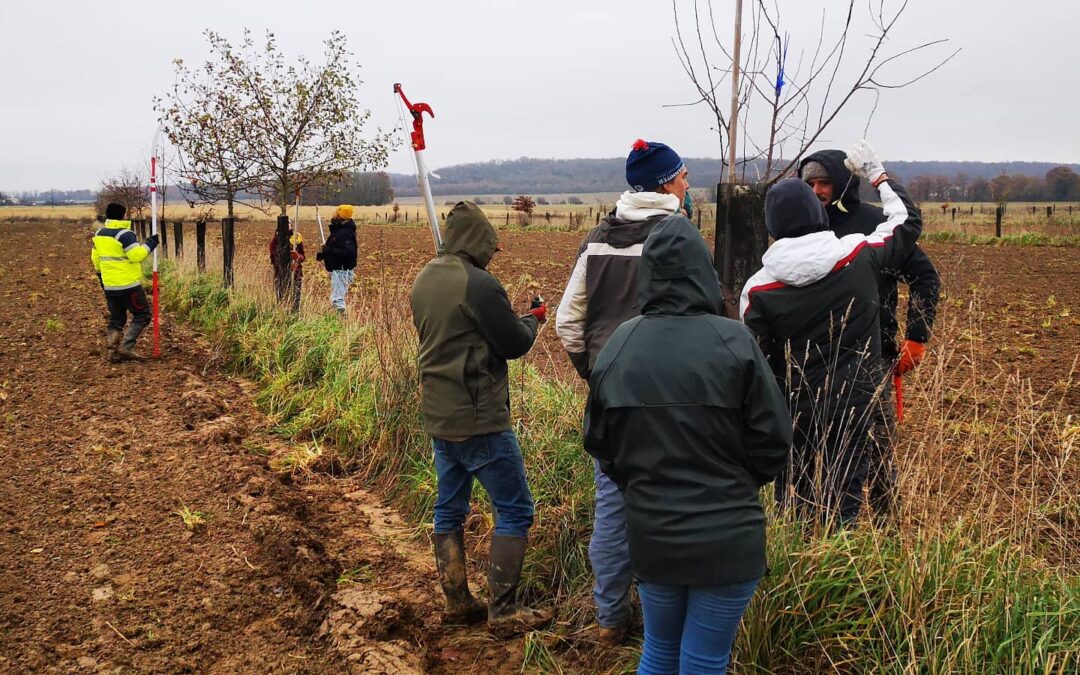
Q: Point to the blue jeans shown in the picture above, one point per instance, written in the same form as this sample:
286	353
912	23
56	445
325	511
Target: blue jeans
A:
690	629
340	280
609	553
495	461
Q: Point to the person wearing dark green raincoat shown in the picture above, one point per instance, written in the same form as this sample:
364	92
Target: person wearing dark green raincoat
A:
686	417
468	331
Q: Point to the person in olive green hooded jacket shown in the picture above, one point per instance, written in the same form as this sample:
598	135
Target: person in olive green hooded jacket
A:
468	331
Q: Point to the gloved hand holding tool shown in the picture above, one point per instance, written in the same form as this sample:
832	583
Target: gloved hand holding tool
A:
538	308
911	355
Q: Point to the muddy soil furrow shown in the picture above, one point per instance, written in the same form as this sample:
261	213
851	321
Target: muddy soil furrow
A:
98	571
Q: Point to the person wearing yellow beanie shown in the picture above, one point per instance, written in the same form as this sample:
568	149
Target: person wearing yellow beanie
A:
338	254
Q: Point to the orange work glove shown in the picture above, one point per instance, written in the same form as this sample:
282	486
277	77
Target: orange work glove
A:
911	354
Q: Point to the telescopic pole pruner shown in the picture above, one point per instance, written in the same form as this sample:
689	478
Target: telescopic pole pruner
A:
318	219
417	110
296	220
155	293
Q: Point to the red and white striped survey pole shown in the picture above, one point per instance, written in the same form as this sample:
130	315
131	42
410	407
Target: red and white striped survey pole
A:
417	110
154	231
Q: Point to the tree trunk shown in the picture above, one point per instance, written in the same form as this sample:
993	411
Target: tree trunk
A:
200	245
178	239
228	250
282	278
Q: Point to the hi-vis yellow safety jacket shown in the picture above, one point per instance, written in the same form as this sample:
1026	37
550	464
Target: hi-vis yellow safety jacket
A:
118	256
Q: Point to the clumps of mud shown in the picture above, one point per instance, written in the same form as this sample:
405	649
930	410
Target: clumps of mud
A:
205	412
364	629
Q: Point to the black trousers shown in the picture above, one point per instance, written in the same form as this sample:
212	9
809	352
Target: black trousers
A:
830	461
120	304
882	466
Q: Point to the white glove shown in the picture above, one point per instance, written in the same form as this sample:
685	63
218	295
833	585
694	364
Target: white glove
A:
863	162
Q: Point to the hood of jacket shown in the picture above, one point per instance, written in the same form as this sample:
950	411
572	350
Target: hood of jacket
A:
845	184
793	210
676	274
469	233
638	206
337	223
117	224
800	261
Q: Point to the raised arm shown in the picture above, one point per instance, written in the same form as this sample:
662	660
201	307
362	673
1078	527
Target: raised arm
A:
893	240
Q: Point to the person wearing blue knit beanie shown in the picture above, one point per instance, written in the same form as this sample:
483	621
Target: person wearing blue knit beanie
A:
601	294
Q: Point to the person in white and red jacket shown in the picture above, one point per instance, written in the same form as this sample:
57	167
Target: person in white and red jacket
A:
838	190
814	309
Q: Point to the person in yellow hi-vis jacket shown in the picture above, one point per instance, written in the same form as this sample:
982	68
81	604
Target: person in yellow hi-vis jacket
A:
117	256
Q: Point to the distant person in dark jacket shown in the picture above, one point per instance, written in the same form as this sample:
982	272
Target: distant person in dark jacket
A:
468	331
814	308
838	190
338	255
602	293
686	417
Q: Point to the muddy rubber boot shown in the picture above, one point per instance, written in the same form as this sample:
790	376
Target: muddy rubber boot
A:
611	638
461	606
127	352
505	616
112	343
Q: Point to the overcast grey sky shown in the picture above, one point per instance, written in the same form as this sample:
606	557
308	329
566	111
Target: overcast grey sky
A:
511	78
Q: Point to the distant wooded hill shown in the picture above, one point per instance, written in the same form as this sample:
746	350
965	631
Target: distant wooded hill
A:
583	176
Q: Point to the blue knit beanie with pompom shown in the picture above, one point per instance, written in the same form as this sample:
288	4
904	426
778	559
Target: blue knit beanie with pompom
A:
651	164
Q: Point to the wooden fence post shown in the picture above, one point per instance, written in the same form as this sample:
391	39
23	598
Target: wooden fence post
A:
200	245
163	235
997	218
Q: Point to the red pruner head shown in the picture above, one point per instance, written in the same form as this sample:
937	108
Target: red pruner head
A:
416	110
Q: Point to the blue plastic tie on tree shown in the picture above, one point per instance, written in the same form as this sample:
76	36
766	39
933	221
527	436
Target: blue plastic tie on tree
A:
780	75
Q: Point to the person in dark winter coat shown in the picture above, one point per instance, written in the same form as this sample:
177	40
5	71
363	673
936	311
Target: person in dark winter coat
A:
338	255
838	189
468	331
601	294
684	414
814	308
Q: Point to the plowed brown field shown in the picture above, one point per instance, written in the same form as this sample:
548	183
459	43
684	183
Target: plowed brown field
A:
299	573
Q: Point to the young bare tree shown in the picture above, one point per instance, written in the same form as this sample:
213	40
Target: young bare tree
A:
127	188
787	100
301	123
204	120
780	102
523	203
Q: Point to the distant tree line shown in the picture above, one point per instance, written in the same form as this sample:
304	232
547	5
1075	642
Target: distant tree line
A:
1059	184
361	188
47	197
